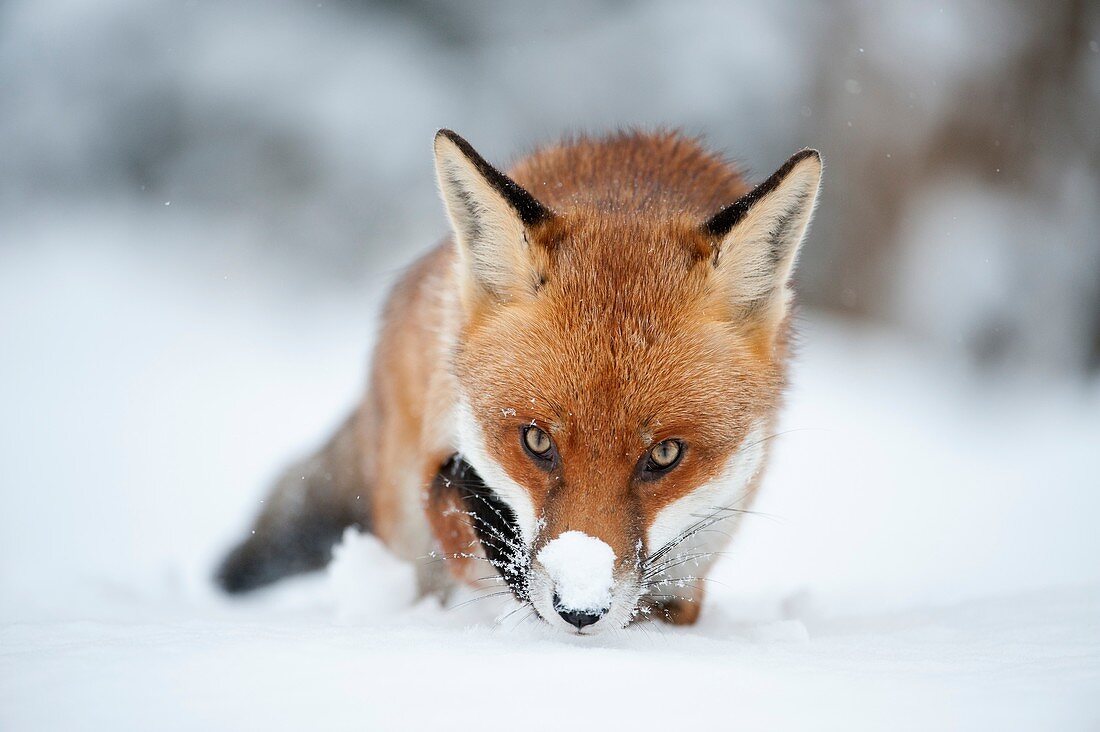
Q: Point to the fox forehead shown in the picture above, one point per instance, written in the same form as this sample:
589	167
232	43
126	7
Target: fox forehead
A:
614	384
590	248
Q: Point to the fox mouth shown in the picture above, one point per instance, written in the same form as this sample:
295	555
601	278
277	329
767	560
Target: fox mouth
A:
496	527
631	595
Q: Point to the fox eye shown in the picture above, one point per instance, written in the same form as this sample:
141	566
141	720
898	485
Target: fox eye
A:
537	442
663	456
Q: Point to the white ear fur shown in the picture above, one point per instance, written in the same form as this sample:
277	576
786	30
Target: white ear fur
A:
759	236
490	214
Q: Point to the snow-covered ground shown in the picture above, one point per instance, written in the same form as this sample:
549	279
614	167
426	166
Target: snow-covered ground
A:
927	556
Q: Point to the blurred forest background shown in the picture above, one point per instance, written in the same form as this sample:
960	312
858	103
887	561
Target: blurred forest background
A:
289	143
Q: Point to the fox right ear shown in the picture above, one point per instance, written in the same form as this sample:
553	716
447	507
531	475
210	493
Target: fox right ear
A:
756	241
491	215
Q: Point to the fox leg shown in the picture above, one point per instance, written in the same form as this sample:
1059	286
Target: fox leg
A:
303	517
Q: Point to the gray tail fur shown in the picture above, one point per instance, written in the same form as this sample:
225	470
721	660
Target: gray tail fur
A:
303	517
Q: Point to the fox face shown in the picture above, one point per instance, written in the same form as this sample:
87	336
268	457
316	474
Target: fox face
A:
619	368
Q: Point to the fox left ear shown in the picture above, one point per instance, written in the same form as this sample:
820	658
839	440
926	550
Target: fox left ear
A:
491	215
756	241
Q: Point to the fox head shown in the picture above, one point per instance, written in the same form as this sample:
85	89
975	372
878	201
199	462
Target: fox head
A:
620	360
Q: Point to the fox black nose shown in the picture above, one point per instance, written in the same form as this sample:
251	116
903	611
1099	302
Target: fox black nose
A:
578	618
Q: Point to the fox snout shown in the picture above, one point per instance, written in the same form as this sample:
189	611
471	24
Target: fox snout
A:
579	584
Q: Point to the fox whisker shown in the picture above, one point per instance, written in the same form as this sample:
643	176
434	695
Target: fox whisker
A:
677	561
478	599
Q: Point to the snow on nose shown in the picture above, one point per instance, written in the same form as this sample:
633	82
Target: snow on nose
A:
580	567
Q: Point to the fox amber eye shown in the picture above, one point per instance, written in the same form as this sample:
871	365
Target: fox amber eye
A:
537	442
664	455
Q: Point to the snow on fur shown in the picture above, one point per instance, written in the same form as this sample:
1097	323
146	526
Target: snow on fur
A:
581	568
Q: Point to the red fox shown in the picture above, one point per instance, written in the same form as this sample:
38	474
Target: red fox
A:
573	388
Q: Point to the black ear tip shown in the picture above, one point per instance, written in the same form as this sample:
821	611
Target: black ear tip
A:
804	154
722	222
445	135
450	135
460	142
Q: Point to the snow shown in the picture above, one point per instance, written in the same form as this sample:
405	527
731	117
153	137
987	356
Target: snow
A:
791	631
581	568
924	553
1026	662
392	583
